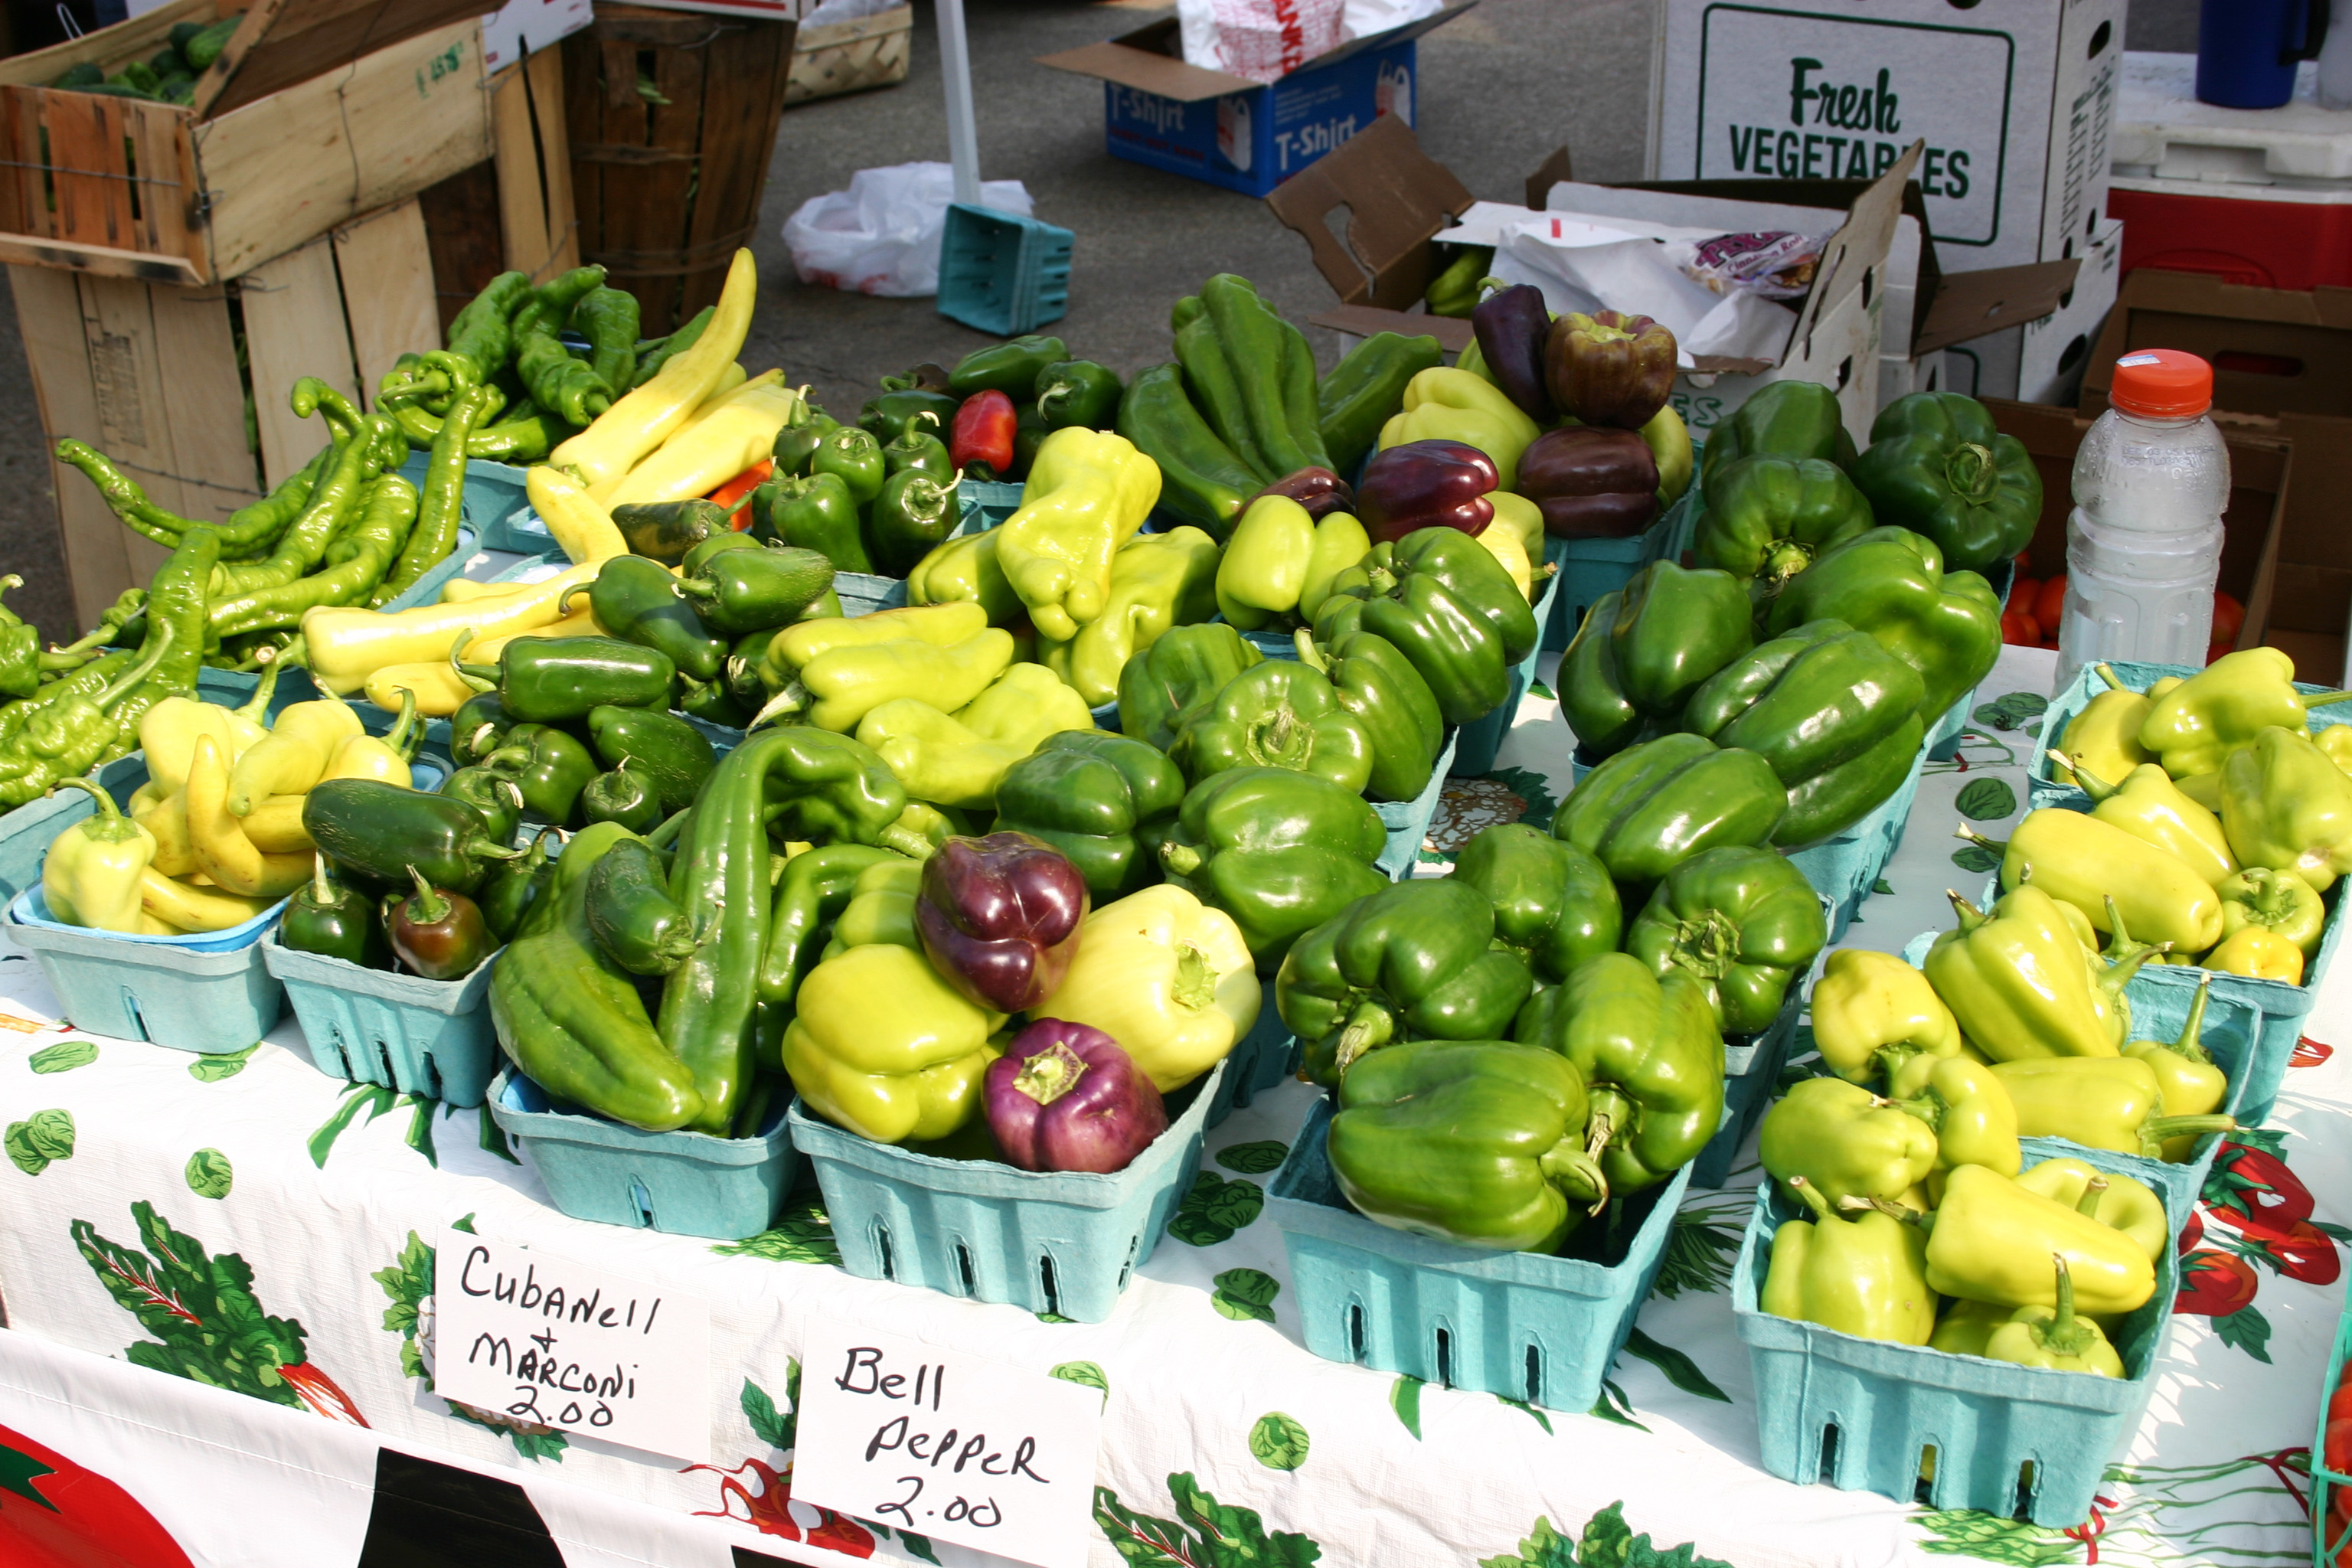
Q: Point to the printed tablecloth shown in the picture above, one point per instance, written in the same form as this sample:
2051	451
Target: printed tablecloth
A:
253	1226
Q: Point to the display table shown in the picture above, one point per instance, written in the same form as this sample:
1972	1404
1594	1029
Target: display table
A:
256	1206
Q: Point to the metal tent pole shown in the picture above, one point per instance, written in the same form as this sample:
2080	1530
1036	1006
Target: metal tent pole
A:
963	135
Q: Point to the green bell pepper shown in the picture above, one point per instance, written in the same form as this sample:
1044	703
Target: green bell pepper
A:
1554	904
1669	630
1480	1143
1414	960
1391	701
1769	517
1651	1061
1281	852
1365	389
1098	797
1012	367
1785	419
855	458
1835	714
1647	810
548	766
912	515
551	680
894	414
819	513
1277	714
1452	646
1077	392
1937	467
1891	583
637	601
1741	920
1161	688
1470	574
675	755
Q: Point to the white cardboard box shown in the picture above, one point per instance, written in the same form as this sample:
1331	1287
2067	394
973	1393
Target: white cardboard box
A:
2042	362
522	27
2014	98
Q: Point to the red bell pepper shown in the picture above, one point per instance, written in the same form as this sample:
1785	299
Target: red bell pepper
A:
735	494
984	428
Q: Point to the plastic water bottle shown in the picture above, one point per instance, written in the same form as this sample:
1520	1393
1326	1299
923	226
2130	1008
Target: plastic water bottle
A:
2143	542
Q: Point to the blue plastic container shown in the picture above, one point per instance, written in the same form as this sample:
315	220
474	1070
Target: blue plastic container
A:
1847	867
1003	273
1518	1325
2234	1031
1408	820
1478	743
681	1183
1061	1242
986	503
429	1037
25	832
1593	568
1259	1061
2042	773
1858	1414
2325	1479
208	993
1943	736
498	508
1752	1075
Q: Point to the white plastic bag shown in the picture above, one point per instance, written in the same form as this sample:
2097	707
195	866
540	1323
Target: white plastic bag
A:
882	235
1362	18
1264	40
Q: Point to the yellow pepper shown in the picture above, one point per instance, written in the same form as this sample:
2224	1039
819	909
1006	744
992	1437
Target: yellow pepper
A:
882	1046
166	822
223	852
1872	1012
2258	952
275	827
1166	976
838	670
347	646
938	759
2335	740
2105	736
2148	805
1523	517
184	907
1087	493
1503	544
575	519
1456	405
90	876
713	450
2083	861
1025	705
1340	543
1157	581
635	425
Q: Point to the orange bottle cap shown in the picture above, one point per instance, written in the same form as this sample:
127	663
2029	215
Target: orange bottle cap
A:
2162	384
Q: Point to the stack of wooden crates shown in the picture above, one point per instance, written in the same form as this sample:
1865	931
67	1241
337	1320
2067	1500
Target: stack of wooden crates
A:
177	268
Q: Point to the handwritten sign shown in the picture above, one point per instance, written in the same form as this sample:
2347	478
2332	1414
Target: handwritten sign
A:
542	1339
955	1446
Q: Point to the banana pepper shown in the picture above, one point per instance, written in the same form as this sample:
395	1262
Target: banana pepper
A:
2105	736
2224	707
1441	404
1844	1142
2117	1201
938	759
2019	980
642	420
2285	806
2087	860
965	570
2055	1337
1158	582
1991	1241
1968	1107
1166	976
2109	1102
1087	493
838	669
1023	706
1863	1274
2148	805
1873	1013
1265	562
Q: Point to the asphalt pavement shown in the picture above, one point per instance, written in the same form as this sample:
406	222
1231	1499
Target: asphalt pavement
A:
1499	88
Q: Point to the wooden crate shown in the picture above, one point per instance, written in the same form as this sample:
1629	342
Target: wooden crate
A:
148	374
515	212
667	192
850	56
316	112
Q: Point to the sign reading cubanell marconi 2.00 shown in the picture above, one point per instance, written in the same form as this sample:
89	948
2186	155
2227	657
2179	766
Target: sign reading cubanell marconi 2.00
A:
537	1338
1752	91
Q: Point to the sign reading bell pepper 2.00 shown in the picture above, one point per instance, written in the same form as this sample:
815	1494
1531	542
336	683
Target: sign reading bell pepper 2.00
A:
2012	99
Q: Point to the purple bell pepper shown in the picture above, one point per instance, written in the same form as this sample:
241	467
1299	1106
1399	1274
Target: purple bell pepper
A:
1513	328
1434	483
999	916
1066	1097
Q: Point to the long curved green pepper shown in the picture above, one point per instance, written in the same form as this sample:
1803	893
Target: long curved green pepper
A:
441	506
607	318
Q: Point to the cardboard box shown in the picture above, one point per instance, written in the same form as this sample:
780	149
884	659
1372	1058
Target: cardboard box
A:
2281	366
2251	524
2014	98
2044	361
1229	130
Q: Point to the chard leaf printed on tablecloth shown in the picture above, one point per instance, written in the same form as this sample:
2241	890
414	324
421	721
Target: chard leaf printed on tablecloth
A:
1530	1411
209	1327
1610	1543
19	1470
407	1283
493	1137
2010	710
213	1070
1278	1441
1543	1548
1243	1294
803	1233
1976	857
377	1100
1882	887
1086	1375
1966	1532
41	1138
63	1056
1700	1246
1254	1159
1205	1533
1677	1368
1985	800
209	1174
1404	1398
1214	1209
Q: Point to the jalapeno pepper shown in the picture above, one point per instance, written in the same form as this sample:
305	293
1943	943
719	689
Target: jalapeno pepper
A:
550	680
819	513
